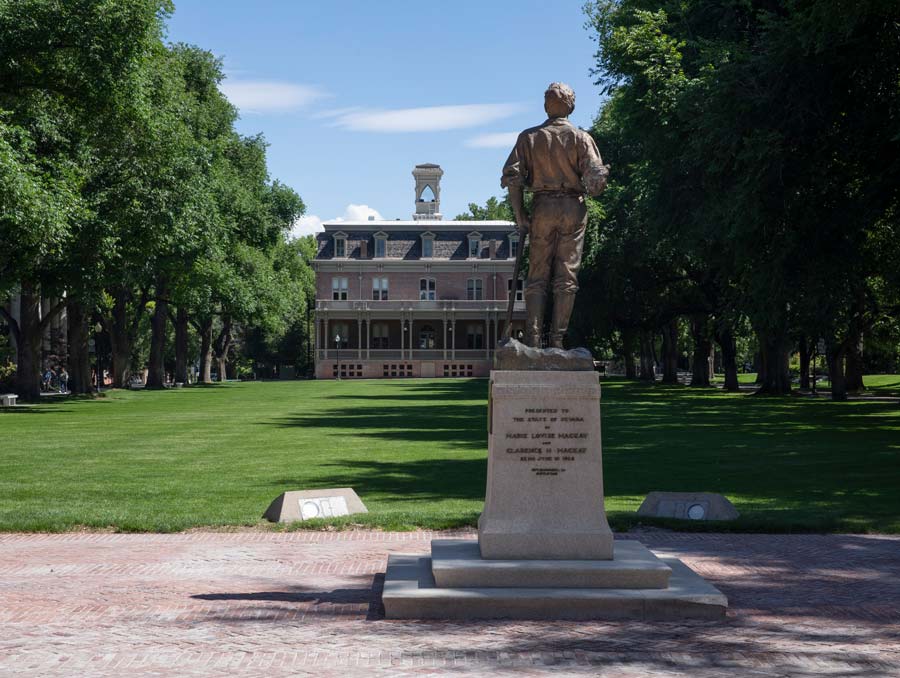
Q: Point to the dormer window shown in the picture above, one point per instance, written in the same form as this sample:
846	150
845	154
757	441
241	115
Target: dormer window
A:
513	245
427	245
474	245
340	245
381	245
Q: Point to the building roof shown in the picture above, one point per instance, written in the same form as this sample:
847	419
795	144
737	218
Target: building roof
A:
404	239
420	225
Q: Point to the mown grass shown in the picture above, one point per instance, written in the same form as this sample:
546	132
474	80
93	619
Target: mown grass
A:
415	452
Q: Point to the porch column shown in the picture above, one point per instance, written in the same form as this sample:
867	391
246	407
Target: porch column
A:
487	336
496	333
452	338
325	338
368	336
444	335
359	337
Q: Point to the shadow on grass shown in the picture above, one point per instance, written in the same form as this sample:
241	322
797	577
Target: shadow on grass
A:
814	463
458	425
403	481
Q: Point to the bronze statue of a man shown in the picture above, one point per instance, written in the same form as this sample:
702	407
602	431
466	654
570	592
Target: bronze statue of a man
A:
558	163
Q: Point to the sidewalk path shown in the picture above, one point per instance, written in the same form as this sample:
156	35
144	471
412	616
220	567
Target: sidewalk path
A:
308	603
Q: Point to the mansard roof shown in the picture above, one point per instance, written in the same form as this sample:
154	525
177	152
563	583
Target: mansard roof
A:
404	238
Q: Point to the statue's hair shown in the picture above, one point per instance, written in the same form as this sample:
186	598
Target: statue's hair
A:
561	92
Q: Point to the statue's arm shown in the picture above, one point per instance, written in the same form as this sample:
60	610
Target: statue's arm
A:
594	174
514	180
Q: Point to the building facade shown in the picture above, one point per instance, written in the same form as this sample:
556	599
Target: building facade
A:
419	298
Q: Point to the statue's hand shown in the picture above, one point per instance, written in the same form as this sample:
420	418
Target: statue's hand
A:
524	224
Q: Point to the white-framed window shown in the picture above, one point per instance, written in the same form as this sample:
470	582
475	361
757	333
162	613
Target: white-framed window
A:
381	245
380	336
428	245
380	289
474	289
520	289
427	289
339	289
474	336
426	337
513	246
340	245
340	335
474	245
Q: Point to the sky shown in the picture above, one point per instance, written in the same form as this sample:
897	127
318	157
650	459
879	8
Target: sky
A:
352	95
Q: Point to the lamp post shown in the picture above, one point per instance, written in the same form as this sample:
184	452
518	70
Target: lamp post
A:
337	349
309	302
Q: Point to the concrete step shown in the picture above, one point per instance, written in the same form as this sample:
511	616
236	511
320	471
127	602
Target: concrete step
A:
457	563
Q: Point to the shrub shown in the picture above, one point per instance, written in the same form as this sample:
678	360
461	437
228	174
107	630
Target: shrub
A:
7	377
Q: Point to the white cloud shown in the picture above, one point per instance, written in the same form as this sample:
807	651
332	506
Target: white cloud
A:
427	119
261	96
310	224
359	213
496	140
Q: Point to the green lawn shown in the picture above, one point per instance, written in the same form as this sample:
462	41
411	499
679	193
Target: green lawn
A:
414	450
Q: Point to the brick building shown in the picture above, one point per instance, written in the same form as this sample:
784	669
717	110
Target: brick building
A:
419	298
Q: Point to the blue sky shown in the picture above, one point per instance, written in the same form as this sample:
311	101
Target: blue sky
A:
351	95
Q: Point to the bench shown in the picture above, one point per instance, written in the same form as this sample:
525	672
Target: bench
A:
8	399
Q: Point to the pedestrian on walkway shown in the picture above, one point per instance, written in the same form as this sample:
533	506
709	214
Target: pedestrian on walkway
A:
63	380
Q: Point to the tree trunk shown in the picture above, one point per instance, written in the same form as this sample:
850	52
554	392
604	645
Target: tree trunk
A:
670	352
836	353
205	332
120	340
726	341
805	357
702	345
181	345
774	358
628	354
221	346
28	367
645	339
156	374
854	375
79	362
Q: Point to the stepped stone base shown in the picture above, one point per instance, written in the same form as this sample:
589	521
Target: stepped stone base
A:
457	563
410	592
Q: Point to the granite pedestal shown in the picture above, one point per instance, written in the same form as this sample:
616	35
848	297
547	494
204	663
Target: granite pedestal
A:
544	549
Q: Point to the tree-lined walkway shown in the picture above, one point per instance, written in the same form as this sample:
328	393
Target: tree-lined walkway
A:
309	603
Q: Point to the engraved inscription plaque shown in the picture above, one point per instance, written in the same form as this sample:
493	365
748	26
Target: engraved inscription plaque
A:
323	507
544	495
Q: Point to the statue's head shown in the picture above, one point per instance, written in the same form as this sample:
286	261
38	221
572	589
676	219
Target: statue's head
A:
559	100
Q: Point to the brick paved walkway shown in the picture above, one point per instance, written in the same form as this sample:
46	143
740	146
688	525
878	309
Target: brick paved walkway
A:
307	603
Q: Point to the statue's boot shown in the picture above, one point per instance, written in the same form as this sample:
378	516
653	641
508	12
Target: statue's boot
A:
563	302
534	322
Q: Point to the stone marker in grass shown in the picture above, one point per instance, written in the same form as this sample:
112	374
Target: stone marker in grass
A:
296	505
688	506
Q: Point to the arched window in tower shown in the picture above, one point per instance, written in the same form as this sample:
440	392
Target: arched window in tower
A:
427	194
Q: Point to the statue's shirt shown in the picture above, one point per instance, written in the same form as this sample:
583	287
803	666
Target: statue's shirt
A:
555	156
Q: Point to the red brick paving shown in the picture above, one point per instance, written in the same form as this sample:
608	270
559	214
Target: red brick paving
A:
307	603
